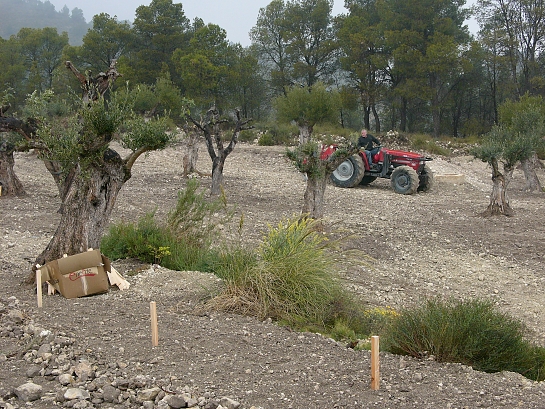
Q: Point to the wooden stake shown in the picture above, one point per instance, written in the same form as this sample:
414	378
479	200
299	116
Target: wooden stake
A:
375	364
39	287
154	329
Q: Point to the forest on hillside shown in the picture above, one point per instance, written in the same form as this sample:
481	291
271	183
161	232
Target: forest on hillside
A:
408	65
18	14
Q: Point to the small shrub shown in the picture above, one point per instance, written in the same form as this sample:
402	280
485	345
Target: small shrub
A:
470	332
181	243
278	134
135	240
266	139
426	143
192	218
247	135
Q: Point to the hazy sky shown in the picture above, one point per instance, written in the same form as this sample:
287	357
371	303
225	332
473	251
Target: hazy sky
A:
237	17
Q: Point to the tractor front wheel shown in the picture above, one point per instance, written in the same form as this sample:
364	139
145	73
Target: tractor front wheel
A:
404	180
349	173
426	179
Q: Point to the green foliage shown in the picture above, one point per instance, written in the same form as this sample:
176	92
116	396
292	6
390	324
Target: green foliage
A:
182	242
307	158
106	40
277	134
135	240
266	139
426	143
519	133
290	279
470	332
247	135
150	135
192	218
332	132
308	106
83	138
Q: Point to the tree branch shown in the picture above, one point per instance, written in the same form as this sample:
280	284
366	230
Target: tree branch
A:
95	87
129	160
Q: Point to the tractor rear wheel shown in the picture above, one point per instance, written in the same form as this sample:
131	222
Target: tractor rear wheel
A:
404	180
349	173
426	179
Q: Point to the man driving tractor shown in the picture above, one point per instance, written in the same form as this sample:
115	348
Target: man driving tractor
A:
367	141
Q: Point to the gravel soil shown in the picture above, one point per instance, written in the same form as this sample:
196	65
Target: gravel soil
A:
427	244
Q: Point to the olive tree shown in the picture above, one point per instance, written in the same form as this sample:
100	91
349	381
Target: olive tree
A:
210	126
88	172
309	158
515	138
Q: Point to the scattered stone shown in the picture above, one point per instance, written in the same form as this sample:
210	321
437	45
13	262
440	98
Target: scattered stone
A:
229	403
29	392
147	394
110	394
66	379
84	371
76	393
33	371
175	402
16	316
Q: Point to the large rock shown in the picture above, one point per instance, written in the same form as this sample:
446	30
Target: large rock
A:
28	392
147	394
110	394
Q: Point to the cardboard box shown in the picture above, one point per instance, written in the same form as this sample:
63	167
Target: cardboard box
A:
78	275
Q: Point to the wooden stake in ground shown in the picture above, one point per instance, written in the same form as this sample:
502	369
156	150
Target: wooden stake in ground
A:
154	329
375	364
39	287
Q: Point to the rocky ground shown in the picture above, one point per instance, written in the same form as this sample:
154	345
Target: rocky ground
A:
96	352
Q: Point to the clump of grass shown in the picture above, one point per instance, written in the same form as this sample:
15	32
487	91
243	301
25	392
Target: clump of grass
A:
470	332
289	278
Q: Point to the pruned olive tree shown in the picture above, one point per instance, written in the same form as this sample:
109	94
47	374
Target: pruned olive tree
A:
308	159
211	126
88	171
516	138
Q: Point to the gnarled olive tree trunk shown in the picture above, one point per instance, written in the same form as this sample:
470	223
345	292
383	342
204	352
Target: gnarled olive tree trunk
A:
499	204
305	131
529	168
314	204
87	204
309	159
9	182
11	185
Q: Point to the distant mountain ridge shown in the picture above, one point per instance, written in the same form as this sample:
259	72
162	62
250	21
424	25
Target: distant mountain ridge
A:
17	14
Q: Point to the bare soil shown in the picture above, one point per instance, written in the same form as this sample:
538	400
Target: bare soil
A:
415	246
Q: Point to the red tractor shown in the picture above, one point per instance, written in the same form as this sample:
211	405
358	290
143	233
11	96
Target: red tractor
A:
407	171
